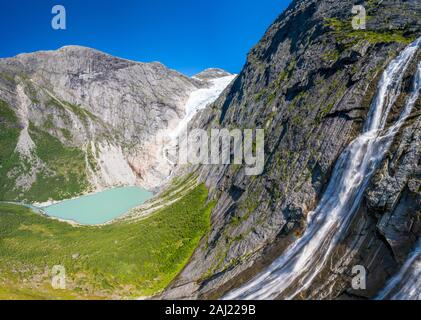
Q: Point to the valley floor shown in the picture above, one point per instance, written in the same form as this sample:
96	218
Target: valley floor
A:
126	259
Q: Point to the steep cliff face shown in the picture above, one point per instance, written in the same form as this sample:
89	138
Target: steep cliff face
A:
79	119
309	84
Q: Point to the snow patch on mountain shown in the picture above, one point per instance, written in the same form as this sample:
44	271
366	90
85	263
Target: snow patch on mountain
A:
200	99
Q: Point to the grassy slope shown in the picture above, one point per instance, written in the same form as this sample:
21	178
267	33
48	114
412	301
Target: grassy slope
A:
124	259
67	163
344	33
9	135
65	172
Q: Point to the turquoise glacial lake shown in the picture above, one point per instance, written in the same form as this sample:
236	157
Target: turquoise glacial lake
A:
99	207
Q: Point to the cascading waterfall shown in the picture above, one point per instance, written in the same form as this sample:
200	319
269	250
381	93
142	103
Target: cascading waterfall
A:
305	259
406	285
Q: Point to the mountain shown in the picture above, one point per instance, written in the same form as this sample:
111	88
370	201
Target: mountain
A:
211	73
311	83
79	120
339	195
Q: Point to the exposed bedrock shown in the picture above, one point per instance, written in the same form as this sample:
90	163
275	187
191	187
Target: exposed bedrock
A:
309	83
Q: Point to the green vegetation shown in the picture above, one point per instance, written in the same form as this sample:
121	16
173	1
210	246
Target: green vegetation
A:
324	111
83	114
49	123
66	134
331	56
258	96
60	171
177	186
9	135
345	34
8	77
65	176
91	157
62	112
123	259
334	93
31	91
246	208
297	101
271	93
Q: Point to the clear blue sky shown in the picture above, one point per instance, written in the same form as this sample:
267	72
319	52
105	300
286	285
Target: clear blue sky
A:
186	35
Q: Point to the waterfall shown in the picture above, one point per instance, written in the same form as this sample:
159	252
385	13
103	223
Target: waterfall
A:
298	266
406	285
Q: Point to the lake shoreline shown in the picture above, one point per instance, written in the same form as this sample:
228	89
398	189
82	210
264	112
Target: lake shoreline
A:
96	208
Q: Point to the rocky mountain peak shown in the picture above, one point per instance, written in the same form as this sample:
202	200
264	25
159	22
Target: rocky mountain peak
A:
94	101
211	73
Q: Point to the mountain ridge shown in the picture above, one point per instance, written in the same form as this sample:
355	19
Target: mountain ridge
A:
107	109
309	82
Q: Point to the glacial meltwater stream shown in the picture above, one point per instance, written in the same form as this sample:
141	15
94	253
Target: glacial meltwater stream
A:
99	207
406	285
298	266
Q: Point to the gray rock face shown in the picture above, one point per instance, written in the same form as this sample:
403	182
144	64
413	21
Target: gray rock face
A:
110	108
309	83
211	73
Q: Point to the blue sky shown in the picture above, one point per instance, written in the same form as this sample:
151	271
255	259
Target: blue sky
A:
186	35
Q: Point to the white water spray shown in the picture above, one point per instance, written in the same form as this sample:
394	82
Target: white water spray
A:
406	285
306	258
